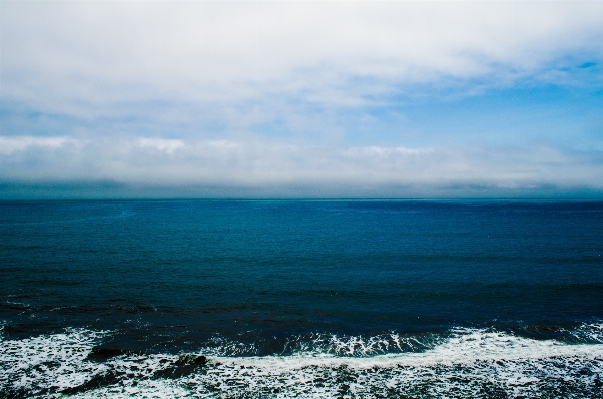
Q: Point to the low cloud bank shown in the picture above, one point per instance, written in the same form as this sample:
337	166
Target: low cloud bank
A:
146	166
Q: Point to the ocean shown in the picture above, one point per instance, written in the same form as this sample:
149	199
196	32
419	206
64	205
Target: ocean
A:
301	299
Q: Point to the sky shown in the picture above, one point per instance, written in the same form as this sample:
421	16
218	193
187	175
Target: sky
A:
302	99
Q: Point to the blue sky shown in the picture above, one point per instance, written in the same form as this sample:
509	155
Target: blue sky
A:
301	99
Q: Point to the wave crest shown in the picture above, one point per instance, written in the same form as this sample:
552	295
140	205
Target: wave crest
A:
465	362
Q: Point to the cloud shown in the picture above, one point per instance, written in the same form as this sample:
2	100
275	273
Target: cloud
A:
166	145
9	145
222	163
79	58
323	97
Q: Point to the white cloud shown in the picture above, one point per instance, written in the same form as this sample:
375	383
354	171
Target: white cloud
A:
236	93
8	145
224	163
74	56
166	145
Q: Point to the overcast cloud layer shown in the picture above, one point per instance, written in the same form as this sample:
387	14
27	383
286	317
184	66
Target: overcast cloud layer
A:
311	99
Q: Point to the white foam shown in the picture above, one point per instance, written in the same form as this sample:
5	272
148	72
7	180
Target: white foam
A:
54	362
467	363
148	389
590	333
321	344
464	365
361	346
464	346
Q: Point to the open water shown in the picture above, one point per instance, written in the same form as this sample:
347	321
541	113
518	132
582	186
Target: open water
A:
305	299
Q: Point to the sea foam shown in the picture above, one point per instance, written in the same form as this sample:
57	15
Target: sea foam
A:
481	363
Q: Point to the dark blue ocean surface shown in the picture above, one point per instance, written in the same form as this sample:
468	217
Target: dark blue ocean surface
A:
267	279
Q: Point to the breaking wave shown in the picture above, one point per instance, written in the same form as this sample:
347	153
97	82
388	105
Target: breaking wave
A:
464	362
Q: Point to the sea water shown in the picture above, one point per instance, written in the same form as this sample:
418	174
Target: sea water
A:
301	298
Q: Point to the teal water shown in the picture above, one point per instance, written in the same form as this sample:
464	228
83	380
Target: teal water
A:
244	280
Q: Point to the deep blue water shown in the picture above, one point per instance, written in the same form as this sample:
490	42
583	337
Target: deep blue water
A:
173	276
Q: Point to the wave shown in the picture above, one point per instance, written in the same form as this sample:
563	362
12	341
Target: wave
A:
464	362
